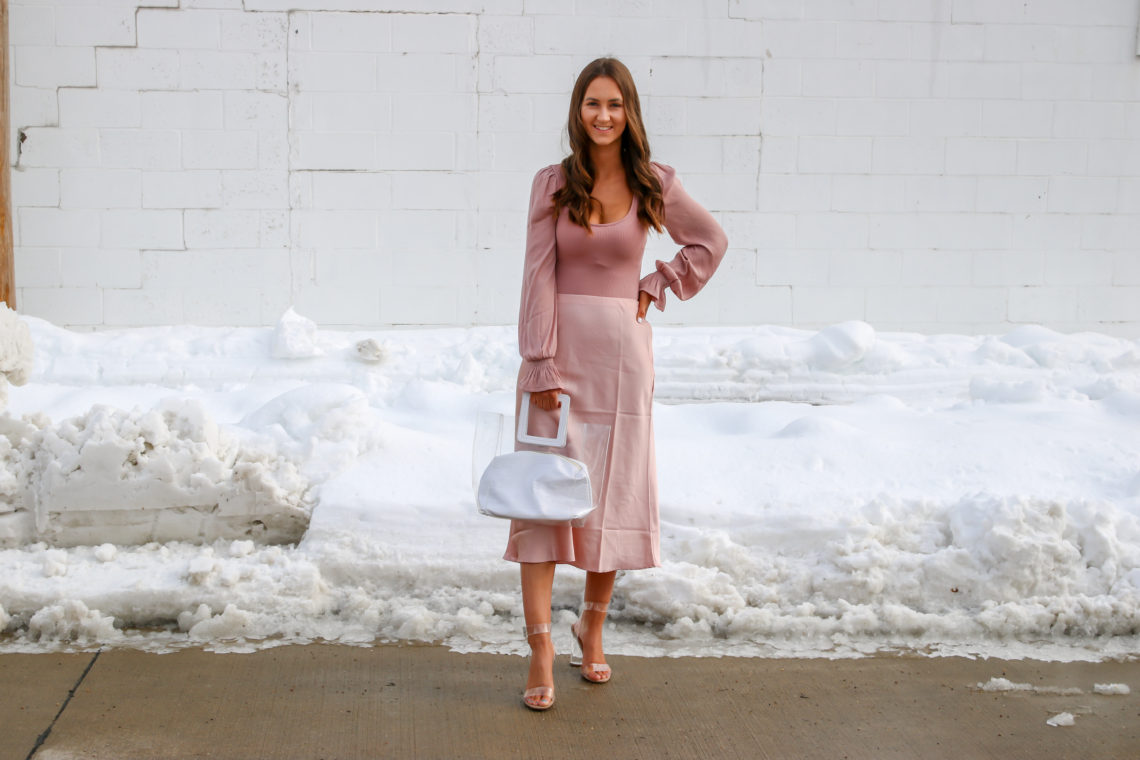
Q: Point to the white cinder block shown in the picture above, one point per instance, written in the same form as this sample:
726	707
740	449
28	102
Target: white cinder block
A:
936	267
947	42
347	303
219	149
664	116
134	69
506	34
800	39
760	231
725	116
1023	42
505	113
255	110
792	267
270	72
351	190
63	306
330	265
352	32
262	32
794	192
1110	81
402	231
1017	118
1097	44
646	37
1019	268
332	72
567	34
678	77
95	25
738	154
255	189
940	193
37	267
908	155
179	29
182	189
831	231
240	307
863	267
978	80
980	156
433	33
35	187
827	305
339	229
873	40
798	116
51	227
416	72
1078	267
1056	81
1052	157
766	9
945	118
141	229
834	155
33	105
83	107
1108	304
220	228
942	230
150	306
139	148
1090	120
1042	305
347	111
334	150
87	267
724	37
218	70
432	190
1037	232
422	305
898	304
1115	158
1110	232
1082	194
272	149
416	151
782	78
871	117
868	192
44	66
1012	194
216	269
1125	267
434	111
838	78
182	110
970	304
274	229
1128	199
100	188
31	25
59	147
724	191
541	74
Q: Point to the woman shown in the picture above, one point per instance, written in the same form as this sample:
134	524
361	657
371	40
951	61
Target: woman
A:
582	331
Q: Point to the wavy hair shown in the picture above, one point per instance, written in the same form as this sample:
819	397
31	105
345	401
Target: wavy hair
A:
578	168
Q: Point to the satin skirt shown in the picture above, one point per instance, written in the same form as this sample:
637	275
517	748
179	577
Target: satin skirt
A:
605	359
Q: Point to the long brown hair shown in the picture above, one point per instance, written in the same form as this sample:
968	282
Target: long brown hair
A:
579	168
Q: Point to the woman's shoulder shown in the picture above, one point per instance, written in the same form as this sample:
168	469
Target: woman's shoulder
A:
550	177
667	174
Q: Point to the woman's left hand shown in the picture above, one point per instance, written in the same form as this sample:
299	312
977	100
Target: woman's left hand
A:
643	301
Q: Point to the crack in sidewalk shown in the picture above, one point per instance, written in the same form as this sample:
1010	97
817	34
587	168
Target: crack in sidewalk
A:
71	693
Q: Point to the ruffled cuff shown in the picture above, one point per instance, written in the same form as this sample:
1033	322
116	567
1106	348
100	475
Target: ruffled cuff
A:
539	375
654	284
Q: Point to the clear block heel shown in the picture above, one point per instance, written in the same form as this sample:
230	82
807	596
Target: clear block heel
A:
539	697
594	672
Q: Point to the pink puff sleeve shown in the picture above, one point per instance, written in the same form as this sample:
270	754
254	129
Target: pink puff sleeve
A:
691	226
538	313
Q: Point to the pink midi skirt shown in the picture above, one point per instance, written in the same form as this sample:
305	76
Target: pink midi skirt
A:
605	358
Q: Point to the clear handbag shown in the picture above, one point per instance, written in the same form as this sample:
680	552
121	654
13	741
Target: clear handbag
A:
546	479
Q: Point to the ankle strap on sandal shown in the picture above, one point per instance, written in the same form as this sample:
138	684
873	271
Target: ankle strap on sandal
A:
537	628
596	606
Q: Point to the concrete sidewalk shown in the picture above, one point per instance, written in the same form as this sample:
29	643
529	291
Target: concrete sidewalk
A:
323	701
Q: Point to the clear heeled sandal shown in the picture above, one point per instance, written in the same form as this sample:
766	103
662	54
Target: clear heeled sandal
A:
538	697
594	672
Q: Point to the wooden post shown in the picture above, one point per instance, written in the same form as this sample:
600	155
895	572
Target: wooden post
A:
7	265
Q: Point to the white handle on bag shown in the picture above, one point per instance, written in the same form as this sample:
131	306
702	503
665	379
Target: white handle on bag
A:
524	416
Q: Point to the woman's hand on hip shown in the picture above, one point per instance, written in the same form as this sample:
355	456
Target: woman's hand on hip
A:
546	400
643	301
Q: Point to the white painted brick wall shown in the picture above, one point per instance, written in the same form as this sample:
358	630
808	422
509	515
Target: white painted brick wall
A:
958	164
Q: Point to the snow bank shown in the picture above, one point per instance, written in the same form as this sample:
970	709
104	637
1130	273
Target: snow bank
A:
15	352
1062	719
822	493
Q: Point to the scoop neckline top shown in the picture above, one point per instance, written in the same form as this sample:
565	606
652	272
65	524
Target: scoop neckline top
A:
632	206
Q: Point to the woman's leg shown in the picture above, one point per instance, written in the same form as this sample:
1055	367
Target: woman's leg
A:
537	582
599	588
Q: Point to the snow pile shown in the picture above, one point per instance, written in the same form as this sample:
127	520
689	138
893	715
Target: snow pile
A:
1112	688
15	352
1062	719
822	493
295	337
1004	685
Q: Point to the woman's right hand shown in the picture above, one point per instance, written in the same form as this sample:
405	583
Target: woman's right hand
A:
546	400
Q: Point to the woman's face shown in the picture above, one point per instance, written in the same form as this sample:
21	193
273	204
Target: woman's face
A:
603	111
